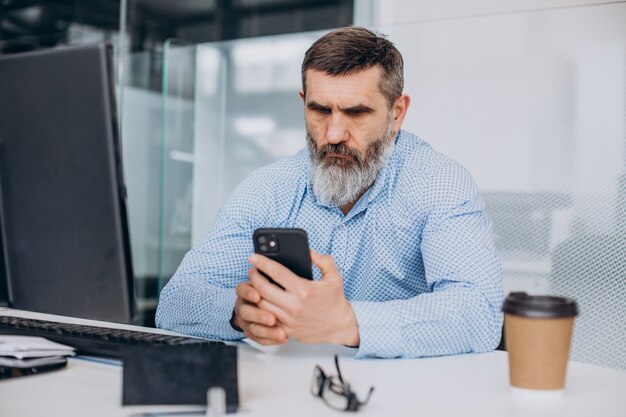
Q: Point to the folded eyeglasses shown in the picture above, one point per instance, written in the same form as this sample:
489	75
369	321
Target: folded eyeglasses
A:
335	391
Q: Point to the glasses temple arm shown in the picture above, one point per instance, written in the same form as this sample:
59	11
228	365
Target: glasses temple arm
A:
367	398
338	370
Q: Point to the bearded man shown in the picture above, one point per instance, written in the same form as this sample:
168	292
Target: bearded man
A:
406	265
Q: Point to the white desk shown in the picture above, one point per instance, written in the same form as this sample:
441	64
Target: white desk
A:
277	384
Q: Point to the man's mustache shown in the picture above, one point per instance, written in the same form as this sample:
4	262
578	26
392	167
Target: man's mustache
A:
338	149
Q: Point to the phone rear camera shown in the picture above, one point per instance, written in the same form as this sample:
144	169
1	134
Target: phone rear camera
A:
268	243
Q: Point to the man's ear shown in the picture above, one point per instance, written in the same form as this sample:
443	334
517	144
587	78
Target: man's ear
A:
400	108
302	95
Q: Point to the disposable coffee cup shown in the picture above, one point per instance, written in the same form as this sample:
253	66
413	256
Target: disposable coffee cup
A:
538	333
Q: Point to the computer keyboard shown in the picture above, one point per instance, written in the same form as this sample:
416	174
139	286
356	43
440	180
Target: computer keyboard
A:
93	340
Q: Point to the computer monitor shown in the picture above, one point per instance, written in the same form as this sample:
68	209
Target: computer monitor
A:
4	289
65	239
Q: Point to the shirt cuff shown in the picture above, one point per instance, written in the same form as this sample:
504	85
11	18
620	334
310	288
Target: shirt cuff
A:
380	331
232	323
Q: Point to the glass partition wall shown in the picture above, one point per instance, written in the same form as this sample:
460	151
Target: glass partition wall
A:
176	156
156	62
248	114
532	104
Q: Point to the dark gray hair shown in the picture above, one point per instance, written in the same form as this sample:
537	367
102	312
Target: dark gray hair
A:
349	50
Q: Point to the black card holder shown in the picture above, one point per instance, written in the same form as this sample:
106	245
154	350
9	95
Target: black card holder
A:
31	366
177	375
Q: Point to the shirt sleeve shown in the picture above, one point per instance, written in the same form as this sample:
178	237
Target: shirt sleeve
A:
462	312
200	297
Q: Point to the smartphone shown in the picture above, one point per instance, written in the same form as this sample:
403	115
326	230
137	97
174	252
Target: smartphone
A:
289	247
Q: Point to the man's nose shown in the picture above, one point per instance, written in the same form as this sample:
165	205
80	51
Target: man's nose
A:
337	131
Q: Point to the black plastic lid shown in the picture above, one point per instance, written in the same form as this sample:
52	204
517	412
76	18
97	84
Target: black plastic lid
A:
539	306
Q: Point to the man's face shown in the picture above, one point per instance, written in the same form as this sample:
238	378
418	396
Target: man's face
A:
349	111
350	133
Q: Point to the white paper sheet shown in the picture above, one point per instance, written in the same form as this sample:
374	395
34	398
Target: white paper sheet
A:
21	347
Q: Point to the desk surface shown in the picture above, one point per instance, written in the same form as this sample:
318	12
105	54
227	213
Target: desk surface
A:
276	383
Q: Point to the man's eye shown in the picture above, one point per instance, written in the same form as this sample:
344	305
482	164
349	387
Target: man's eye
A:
322	110
358	111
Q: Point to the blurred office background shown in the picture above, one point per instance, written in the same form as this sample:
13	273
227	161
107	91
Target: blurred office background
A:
530	96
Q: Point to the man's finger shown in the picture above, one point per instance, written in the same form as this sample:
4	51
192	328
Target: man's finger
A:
258	331
280	314
268	290
247	292
253	314
279	273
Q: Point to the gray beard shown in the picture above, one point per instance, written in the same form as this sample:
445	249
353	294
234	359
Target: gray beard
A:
340	181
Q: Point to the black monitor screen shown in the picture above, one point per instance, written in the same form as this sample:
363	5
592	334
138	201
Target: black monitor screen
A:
62	197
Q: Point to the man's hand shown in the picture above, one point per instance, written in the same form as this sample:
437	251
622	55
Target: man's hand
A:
259	325
309	311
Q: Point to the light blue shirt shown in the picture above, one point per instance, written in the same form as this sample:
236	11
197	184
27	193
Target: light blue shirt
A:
416	254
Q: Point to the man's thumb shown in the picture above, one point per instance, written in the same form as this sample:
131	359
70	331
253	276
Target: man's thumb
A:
326	264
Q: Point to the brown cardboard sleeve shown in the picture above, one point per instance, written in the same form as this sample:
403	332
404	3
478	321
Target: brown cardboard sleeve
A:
538	351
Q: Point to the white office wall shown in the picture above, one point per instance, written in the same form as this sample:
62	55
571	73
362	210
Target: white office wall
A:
525	95
389	12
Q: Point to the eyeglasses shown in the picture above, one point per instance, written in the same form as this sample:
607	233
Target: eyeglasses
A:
335	392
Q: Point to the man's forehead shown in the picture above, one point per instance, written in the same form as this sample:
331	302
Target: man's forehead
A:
371	75
361	86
